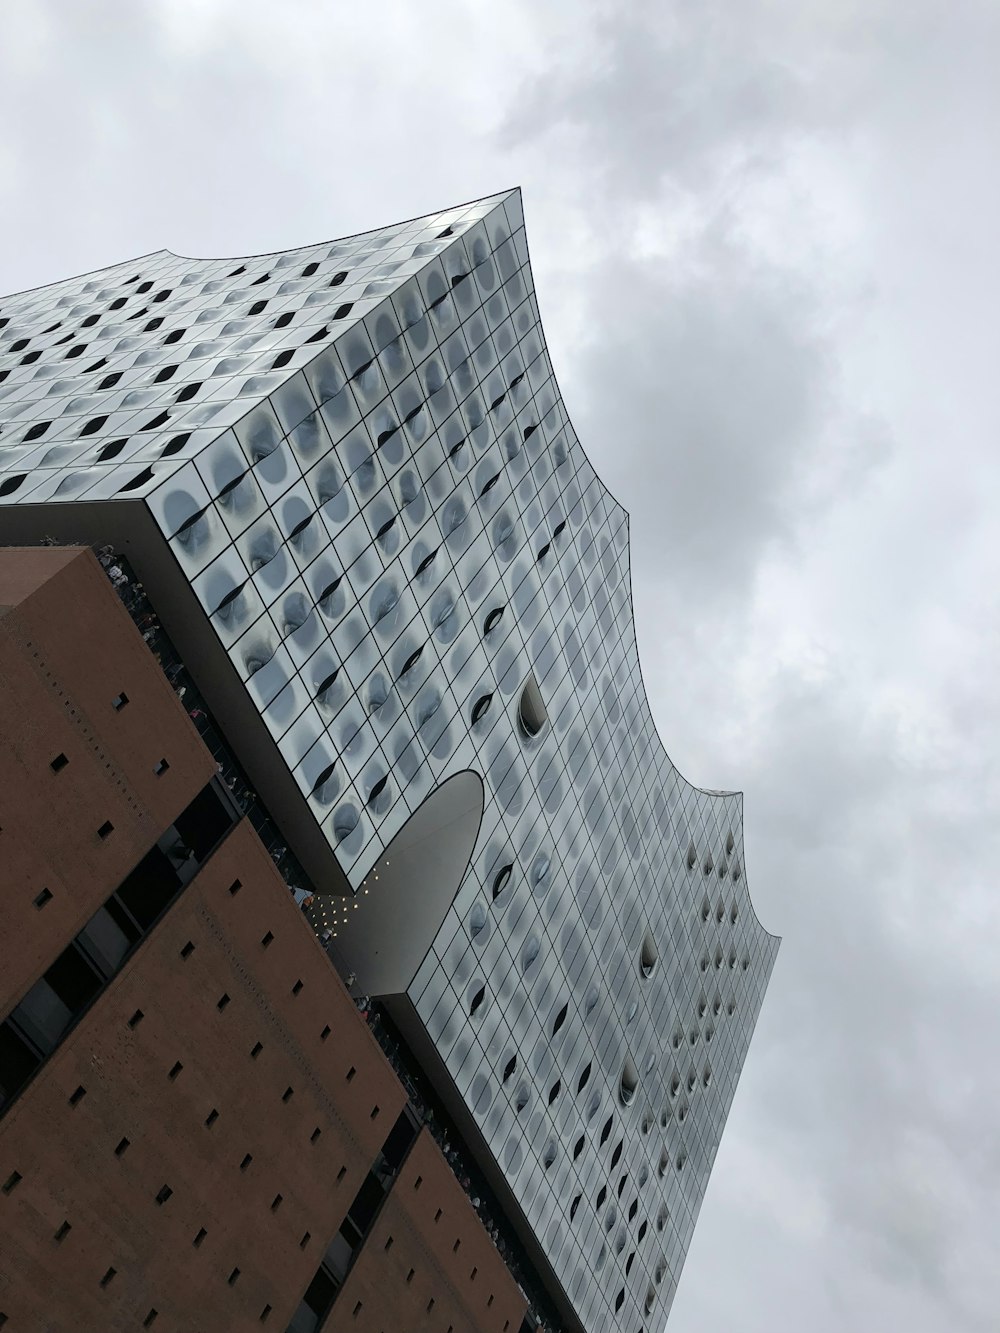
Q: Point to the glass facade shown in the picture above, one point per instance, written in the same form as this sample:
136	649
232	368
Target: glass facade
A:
358	456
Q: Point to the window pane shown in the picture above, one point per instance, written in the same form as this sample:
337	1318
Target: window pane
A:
149	888
73	979
105	942
42	1015
17	1062
204	821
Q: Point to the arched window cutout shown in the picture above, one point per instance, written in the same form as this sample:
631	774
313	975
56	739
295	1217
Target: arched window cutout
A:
477	999
628	1083
560	1019
648	955
584	1077
531	712
501	879
509	1068
480	706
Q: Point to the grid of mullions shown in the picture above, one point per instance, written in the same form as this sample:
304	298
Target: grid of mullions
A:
224	345
388	534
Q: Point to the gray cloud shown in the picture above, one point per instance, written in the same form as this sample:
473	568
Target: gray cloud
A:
763	237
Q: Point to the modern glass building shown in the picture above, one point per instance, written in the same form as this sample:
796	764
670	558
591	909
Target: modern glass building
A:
347	481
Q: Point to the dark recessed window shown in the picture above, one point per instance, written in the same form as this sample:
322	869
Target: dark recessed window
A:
286	1096
341	1174
233	1277
374	1114
325	1033
63	1231
12	1182
175	1069
246	1161
164	1194
160	767
531	712
296	988
265	1314
305	1240
267	940
235	887
256	1050
276	1203
44	897
350	1073
108	1276
188	950
122	1147
315	1135
202	1233
119	701
106	829
223	1001
77	1097
58	763
211	1118
150	1319
136	1019
501	880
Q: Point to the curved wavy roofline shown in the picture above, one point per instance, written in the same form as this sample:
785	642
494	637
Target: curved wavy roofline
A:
707	791
499	195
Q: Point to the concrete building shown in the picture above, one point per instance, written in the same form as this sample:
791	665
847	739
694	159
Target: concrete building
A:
346	482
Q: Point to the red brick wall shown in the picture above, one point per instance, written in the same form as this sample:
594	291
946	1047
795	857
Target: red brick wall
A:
66	1155
66	650
426	1216
67	647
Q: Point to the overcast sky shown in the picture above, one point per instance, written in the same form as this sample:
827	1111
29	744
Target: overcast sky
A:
764	237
